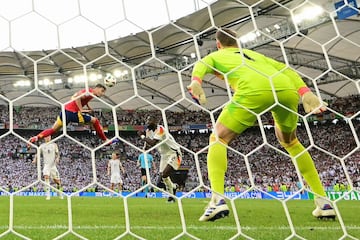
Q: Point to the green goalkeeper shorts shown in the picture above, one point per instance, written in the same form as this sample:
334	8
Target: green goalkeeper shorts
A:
239	114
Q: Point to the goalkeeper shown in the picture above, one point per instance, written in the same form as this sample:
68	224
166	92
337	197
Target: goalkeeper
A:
251	76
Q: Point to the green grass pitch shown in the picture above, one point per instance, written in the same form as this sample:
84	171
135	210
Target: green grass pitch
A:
105	218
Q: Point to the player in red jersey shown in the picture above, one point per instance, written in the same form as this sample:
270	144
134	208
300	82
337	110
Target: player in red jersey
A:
75	112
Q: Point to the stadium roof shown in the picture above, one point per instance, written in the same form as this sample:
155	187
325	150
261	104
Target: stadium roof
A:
159	60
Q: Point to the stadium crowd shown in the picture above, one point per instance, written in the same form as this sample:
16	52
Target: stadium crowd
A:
270	167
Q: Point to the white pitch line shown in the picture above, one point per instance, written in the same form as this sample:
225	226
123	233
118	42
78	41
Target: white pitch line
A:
88	227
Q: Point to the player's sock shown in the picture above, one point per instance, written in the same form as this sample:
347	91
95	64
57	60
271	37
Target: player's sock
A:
45	133
99	130
58	186
306	165
169	185
217	165
47	188
142	184
146	190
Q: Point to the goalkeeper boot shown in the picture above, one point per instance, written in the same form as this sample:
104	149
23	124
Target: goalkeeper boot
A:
215	211
323	209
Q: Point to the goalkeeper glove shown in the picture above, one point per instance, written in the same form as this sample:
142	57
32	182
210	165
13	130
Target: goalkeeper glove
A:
311	102
197	92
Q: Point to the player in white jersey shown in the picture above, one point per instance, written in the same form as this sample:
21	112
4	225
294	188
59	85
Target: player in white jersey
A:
169	150
51	157
113	170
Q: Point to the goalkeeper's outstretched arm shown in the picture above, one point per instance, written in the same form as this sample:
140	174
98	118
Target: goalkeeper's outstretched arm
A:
311	102
196	91
200	70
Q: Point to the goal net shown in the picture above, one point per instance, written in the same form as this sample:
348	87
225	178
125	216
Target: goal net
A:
150	47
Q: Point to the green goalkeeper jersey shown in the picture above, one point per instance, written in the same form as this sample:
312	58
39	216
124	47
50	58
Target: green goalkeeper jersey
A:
248	72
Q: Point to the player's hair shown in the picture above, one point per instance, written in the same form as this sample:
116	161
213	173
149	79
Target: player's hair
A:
227	37
117	153
152	121
152	118
99	85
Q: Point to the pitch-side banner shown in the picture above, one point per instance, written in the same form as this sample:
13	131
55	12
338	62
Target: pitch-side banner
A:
353	195
332	195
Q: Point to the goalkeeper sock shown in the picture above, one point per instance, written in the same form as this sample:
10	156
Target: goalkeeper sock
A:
169	185
99	130
45	133
217	165
306	165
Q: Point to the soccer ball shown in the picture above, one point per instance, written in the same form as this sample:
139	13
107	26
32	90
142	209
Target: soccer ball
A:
109	80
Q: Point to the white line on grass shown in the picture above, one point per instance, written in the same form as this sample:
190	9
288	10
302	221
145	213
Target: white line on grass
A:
88	227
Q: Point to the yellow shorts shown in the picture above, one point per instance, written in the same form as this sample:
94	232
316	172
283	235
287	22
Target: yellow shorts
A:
239	114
